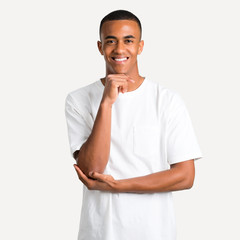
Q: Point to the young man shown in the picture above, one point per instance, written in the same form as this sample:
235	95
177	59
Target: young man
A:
133	142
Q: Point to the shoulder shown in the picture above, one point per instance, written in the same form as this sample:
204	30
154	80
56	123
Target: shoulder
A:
85	90
164	94
83	94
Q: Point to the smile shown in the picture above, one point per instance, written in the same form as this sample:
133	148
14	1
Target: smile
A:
120	60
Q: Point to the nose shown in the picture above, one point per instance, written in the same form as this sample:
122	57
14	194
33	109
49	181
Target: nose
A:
119	47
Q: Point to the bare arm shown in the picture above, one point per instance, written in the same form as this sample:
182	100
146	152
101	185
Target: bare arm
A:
94	153
179	177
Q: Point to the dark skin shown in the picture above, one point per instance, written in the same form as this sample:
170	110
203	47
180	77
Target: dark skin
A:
120	45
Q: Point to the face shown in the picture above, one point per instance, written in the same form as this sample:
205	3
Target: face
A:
120	44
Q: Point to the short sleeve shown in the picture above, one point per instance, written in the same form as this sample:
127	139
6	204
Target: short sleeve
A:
77	124
182	143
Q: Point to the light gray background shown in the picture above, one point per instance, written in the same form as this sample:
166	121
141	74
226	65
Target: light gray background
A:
48	48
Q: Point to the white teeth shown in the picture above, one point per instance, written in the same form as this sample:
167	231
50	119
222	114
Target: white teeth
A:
120	59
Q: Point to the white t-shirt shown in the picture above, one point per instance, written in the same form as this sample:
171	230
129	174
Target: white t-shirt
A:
151	129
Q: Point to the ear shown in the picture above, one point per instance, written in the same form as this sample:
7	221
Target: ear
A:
99	44
140	47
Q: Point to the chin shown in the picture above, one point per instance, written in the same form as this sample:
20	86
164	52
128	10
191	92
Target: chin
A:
120	71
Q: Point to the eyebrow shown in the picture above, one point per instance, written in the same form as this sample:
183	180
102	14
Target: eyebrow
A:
128	36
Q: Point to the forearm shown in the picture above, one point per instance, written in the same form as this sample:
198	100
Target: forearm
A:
170	180
94	153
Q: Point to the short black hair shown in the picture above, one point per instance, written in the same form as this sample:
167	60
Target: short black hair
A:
120	15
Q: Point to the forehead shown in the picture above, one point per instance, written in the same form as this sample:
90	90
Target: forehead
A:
120	28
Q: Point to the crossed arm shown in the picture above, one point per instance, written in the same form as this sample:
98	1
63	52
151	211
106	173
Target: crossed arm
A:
179	177
93	156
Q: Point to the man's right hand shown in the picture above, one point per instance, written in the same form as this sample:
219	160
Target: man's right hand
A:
115	83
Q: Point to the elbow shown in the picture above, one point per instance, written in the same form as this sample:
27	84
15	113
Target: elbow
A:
188	183
94	165
90	162
189	174
95	168
91	165
187	179
185	172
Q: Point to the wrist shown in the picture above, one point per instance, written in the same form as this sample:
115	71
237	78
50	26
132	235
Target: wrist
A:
105	104
120	186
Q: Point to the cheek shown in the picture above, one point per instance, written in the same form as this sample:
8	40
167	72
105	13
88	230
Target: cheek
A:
107	52
134	52
106	58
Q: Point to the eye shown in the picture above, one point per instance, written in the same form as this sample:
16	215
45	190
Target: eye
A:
110	42
129	41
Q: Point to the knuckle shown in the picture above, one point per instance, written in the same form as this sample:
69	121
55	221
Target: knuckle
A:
89	187
114	84
110	76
